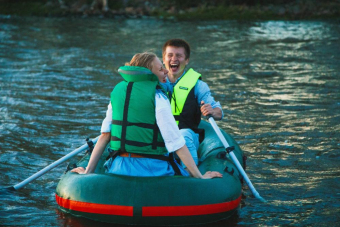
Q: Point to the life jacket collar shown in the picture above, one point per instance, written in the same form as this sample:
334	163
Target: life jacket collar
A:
136	74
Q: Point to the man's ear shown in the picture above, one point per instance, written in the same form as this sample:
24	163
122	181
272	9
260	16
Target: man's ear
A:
187	61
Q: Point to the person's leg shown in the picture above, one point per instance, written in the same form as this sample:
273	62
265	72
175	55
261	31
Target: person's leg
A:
191	140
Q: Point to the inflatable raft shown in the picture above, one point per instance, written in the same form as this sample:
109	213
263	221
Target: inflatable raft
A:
170	200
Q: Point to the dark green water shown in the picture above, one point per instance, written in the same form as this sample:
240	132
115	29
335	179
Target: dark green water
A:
277	81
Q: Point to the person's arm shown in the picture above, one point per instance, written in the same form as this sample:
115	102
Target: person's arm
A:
103	140
97	152
185	156
207	109
207	102
174	141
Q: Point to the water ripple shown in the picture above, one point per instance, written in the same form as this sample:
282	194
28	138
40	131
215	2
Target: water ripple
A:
277	82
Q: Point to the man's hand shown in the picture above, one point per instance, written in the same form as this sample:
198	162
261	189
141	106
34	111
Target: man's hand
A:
207	109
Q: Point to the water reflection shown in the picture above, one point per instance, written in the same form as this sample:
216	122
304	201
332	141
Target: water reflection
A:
289	31
277	82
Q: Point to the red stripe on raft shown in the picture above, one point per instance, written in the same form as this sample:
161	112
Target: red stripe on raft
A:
190	210
94	207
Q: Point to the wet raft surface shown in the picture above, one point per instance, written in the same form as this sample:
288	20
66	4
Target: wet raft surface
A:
157	200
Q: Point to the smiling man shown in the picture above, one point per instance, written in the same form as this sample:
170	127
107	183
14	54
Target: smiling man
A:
190	97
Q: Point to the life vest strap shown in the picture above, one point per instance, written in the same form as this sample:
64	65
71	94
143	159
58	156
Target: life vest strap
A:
155	136
136	143
113	154
142	125
125	114
174	164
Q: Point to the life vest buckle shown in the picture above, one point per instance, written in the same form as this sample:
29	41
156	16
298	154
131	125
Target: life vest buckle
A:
112	154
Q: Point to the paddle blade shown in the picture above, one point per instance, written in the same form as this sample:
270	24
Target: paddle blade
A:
11	188
262	199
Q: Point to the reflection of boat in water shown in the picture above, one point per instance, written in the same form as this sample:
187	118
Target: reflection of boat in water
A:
170	200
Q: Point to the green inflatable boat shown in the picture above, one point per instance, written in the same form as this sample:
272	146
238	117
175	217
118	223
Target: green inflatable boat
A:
157	200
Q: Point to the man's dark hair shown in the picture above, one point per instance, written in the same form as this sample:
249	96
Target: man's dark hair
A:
178	43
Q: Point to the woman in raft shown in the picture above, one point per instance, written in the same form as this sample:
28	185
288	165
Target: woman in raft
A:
140	127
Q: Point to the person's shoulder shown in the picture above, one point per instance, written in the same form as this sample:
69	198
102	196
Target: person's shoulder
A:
198	74
201	83
165	86
120	84
160	94
194	70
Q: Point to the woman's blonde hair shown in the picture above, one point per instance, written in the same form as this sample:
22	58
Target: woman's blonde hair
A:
144	59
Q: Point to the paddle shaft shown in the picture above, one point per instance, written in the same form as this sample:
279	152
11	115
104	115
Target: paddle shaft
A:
51	166
234	158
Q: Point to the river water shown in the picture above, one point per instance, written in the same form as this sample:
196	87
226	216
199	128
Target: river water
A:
278	83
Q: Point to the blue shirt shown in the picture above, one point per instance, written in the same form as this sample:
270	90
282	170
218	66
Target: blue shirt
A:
202	92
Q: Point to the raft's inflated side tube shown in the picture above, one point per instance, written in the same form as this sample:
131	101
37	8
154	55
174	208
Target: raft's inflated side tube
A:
171	200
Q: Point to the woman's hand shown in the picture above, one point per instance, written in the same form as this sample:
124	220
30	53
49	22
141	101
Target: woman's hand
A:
97	152
185	156
212	174
80	170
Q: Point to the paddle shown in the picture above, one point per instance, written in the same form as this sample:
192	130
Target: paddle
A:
54	164
233	157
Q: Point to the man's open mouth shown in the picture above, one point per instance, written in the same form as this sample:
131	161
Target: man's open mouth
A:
174	67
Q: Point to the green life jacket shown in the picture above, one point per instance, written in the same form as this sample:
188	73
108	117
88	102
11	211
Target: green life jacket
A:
134	128
184	104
